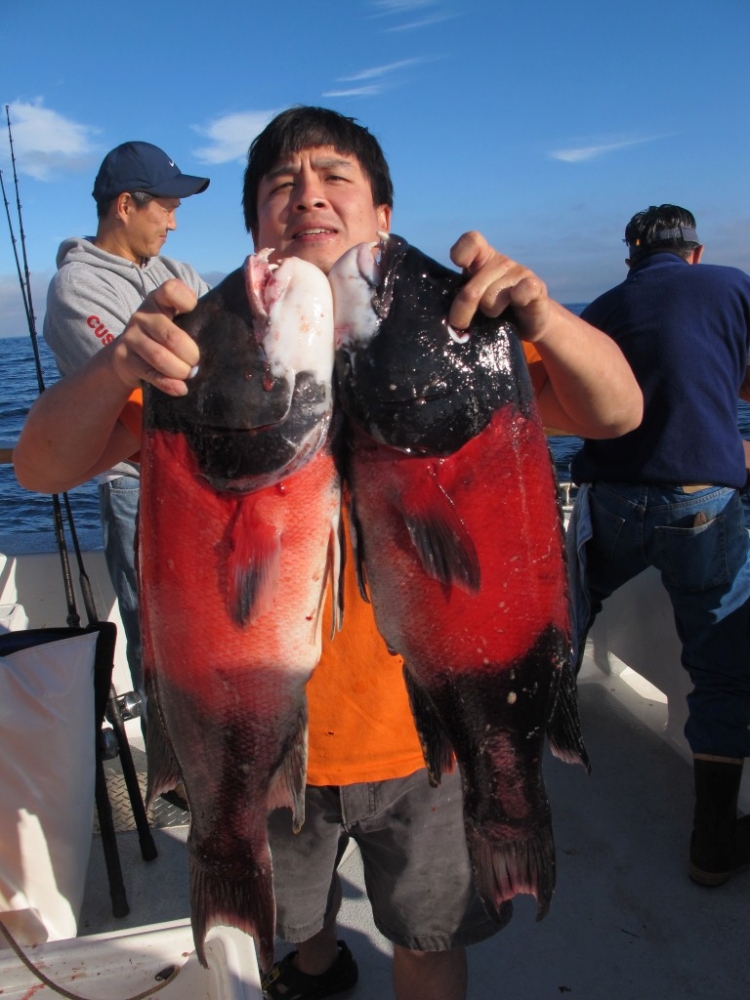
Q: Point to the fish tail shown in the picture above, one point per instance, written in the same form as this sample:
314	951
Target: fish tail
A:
238	899
502	870
564	727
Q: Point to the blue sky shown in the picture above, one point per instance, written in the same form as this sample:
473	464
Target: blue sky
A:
543	124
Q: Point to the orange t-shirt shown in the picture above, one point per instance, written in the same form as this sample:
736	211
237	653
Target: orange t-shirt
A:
360	722
131	416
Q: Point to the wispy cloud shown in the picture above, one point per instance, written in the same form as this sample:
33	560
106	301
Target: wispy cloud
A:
230	135
433	12
591	149
371	91
374	73
47	143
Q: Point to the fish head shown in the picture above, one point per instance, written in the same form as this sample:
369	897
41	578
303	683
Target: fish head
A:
404	375
260	403
292	306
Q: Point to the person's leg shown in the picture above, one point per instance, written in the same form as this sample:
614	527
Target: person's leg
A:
308	898
429	975
419	880
317	954
118	505
701	547
612	555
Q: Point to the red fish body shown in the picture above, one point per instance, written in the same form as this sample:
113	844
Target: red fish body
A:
237	526
456	513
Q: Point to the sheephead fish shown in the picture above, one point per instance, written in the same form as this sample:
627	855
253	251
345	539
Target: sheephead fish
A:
237	533
460	544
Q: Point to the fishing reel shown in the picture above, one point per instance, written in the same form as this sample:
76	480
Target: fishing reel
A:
128	706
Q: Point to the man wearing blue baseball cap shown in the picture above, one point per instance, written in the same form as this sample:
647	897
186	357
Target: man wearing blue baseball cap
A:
100	282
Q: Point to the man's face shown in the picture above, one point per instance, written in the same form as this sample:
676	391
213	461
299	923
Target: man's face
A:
147	226
316	205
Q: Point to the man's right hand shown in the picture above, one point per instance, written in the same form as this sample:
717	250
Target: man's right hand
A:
73	431
152	348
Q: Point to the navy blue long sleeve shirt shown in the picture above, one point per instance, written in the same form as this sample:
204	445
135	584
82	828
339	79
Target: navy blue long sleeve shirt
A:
685	330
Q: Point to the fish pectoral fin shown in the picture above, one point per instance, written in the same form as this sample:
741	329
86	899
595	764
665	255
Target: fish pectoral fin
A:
445	547
253	565
436	748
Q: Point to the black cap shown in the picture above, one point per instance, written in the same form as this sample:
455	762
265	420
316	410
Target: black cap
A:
139	166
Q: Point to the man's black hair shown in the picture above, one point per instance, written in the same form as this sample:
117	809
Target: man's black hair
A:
301	128
141	198
660	228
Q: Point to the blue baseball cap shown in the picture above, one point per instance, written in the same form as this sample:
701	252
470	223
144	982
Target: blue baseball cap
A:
139	166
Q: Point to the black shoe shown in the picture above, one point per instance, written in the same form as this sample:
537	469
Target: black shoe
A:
739	861
284	982
720	843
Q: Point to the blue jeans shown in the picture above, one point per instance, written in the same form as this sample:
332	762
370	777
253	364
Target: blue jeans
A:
118	503
699	543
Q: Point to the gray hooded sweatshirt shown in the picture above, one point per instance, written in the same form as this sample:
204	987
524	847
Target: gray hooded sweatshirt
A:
91	298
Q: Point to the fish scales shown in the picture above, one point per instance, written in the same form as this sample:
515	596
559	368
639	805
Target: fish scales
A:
460	535
237	532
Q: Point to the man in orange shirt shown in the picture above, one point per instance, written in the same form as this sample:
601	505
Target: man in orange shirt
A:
317	184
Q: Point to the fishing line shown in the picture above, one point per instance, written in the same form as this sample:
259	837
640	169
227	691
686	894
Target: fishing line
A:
15	247
25	279
165	977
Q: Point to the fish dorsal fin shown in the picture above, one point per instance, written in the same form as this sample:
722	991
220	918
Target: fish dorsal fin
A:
445	547
252	565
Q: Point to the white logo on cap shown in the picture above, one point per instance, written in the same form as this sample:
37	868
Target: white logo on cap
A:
171	163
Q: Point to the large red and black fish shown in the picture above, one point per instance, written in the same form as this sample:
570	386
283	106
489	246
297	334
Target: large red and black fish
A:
237	540
460	537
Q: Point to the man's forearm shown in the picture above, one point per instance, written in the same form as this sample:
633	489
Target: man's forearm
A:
71	432
592	391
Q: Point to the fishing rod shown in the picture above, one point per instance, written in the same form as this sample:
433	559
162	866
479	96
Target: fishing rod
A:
73	618
15	248
25	278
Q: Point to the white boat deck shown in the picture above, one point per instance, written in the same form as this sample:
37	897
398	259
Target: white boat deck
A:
625	923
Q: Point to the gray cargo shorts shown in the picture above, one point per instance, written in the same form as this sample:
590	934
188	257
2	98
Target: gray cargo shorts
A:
416	865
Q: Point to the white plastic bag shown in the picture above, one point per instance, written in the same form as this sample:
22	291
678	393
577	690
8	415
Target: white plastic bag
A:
47	778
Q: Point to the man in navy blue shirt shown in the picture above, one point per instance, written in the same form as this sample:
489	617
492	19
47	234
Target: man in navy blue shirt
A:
667	495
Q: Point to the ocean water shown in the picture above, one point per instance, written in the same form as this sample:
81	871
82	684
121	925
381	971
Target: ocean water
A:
26	519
